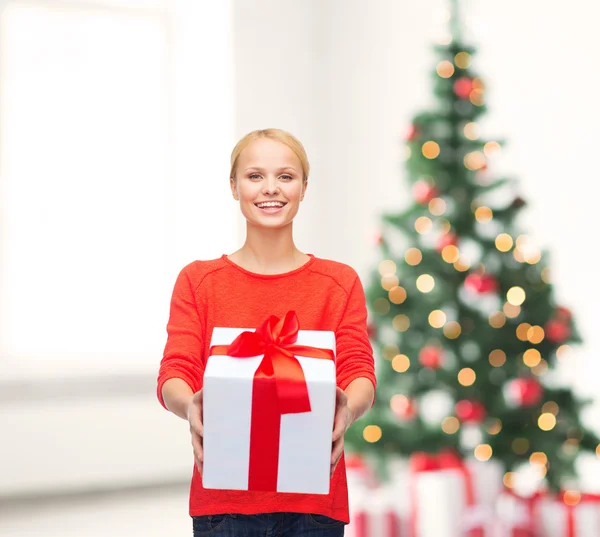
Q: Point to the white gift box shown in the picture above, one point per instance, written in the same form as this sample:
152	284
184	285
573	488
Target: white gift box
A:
304	439
515	515
376	513
554	518
440	505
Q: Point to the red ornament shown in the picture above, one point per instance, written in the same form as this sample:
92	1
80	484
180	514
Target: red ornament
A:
563	313
448	239
557	330
463	87
412	133
481	283
470	411
524	392
404	408
424	192
431	357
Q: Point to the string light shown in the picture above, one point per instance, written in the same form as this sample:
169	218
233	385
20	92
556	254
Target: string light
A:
545	274
474	160
511	311
445	69
546	421
522	331
425	283
450	425
532	357
397	294
400	363
399	404
381	305
508	479
562	352
450	253
452	330
413	256
477	97
497	319
497	358
491	148
538	457
550	406
461	265
389	281
516	296
572	497
483	214
541	368
446	226
483	452
504	242
598	450
495	427
387	267
471	131
466	376
462	60
535	334
423	225
520	445
372	433
437	318
570	447
437	206
430	150
401	322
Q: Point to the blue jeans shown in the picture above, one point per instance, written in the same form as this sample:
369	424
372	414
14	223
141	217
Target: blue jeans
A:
267	525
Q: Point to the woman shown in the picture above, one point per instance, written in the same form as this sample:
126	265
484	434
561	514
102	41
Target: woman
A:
267	276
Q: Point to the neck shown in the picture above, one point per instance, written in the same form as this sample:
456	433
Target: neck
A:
269	250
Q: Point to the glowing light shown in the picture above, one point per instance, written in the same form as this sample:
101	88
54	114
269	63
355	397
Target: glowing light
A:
535	334
437	206
545	274
532	357
471	131
598	450
508	479
572	497
504	242
522	331
520	445
562	352
401	322
497	358
461	265
483	214
450	254
483	452
450	425
413	256
491	148
437	318
397	294
474	160
533	257
541	368
407	153
511	311
372	433
466	376
516	296
495	427
423	224
452	330
430	150
497	319
389	281
546	421
390	351
538	457
425	283
551	407
477	97
400	363
462	60
387	267
399	404
381	305
445	69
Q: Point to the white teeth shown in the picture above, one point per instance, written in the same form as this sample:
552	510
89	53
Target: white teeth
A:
269	204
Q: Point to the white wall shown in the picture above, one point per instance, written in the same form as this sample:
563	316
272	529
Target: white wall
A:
346	78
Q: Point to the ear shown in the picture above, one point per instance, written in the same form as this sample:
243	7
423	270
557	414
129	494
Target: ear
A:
233	186
304	187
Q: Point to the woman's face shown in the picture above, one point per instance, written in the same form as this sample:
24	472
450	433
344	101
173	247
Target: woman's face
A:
268	171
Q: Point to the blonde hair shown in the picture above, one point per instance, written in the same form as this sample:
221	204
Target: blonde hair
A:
274	134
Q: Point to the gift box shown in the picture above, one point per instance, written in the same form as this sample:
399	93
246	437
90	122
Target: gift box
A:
451	497
376	513
268	408
569	514
516	515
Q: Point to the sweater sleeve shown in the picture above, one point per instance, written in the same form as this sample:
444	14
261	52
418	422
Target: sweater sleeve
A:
354	354
182	357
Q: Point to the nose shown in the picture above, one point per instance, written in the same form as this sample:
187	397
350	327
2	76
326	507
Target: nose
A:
271	187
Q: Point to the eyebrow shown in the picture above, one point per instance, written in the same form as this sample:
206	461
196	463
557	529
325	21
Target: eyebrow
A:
279	170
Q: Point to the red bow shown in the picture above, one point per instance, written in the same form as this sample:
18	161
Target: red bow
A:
279	387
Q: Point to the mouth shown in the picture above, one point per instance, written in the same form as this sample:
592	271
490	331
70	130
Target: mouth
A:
270	208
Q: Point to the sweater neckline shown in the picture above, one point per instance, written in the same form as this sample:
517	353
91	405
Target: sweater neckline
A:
270	276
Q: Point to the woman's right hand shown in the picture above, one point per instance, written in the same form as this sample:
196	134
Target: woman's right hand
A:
194	417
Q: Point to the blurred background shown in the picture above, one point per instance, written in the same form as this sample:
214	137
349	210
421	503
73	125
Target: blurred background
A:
117	118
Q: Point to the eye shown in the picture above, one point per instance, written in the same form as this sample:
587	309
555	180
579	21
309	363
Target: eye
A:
254	176
287	177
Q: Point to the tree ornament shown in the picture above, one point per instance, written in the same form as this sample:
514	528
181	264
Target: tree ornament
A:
563	313
447	239
468	411
481	283
523	392
463	87
412	133
431	356
404	408
557	330
424	192
518	202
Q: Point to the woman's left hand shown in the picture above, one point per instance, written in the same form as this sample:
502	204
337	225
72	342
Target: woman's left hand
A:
341	423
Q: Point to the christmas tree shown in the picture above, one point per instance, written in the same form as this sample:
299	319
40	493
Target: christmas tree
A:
466	332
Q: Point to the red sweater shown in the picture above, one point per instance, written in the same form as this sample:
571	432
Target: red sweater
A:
326	295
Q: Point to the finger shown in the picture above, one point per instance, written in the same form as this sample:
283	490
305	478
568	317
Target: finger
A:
198	447
338	429
337	450
196	426
340	397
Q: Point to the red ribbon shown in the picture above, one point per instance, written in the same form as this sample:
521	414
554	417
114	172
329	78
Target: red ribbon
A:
529	529
362	527
584	498
445	460
279	387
